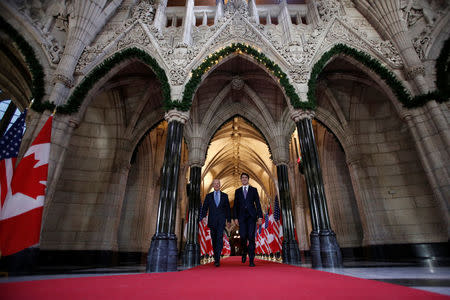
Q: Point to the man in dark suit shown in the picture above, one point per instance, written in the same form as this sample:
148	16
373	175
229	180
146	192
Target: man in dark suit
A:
247	214
219	210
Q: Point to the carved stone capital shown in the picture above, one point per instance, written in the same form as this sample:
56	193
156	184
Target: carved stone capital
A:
299	114
406	115
281	162
176	115
68	82
413	72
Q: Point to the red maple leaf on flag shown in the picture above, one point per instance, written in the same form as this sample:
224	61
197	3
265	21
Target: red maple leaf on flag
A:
27	178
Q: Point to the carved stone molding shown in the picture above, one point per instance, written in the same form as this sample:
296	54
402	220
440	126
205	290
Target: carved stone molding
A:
298	115
68	82
176	115
413	72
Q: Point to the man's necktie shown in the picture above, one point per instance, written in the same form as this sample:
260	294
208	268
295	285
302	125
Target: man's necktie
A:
216	198
245	192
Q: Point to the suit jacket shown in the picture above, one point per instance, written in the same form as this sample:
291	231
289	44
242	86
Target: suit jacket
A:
217	214
249	206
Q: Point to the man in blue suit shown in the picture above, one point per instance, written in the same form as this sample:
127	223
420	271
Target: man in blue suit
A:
219	210
247	214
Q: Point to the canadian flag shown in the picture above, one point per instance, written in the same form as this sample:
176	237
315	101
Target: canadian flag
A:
21	214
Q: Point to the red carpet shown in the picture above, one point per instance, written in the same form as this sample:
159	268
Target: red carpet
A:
231	281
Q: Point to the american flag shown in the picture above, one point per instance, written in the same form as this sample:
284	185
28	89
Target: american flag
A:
226	250
277	228
9	149
204	236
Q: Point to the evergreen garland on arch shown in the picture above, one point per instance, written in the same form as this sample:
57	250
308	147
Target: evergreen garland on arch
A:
388	77
442	71
213	59
80	92
36	69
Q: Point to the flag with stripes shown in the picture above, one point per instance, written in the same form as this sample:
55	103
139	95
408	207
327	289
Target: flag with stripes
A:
226	250
21	214
204	236
9	149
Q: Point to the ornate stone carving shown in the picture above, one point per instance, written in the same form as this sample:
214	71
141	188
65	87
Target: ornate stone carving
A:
48	18
328	9
420	42
413	72
236	6
176	115
299	114
137	35
299	75
384	48
177	76
64	79
144	11
413	10
237	83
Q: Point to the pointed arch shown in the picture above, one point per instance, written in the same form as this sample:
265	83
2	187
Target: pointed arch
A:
80	92
240	49
35	67
373	64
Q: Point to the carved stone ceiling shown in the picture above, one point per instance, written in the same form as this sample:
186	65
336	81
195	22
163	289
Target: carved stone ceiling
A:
235	148
252	75
213	2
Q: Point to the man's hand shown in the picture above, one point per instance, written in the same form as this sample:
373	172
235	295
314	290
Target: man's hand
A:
236	222
259	221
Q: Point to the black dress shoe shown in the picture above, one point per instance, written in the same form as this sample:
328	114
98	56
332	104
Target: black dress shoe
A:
217	264
252	264
244	258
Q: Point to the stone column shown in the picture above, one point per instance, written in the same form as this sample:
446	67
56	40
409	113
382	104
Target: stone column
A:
285	20
254	17
191	255
162	255
189	20
219	11
325	238
160	16
291	252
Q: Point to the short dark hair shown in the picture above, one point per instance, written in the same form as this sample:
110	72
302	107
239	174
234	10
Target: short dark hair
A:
243	173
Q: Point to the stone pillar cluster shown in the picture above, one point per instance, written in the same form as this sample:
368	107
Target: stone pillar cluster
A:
325	251
162	255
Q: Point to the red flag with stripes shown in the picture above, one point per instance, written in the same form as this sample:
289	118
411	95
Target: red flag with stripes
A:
204	236
226	250
21	214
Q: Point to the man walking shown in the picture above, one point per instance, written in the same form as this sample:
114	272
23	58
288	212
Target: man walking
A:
219	210
247	214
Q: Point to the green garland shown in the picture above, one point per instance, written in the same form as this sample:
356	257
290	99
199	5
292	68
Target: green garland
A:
214	59
36	70
443	72
80	92
442	66
389	78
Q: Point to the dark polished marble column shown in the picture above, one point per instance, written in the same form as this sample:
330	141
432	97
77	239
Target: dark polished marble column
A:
325	251
291	252
163	252
190	256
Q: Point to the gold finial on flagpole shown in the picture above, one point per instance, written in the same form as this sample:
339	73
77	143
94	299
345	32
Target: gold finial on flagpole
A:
31	103
54	111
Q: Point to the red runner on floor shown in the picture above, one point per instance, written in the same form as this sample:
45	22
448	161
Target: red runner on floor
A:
232	280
